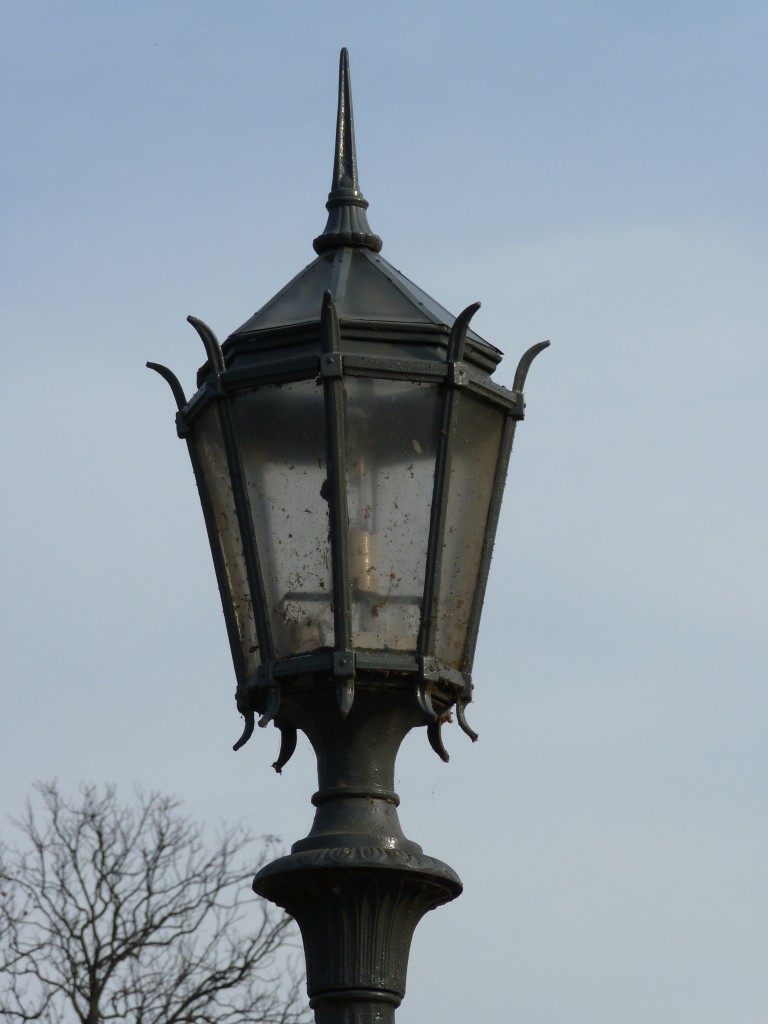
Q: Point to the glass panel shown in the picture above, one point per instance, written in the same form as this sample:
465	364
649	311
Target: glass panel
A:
475	451
281	431
392	430
213	461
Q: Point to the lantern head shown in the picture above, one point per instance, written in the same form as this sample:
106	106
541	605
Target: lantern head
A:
350	449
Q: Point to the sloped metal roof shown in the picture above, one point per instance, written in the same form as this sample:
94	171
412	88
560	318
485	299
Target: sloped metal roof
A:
367	290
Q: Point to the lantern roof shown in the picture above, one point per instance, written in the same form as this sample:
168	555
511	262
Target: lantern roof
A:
370	294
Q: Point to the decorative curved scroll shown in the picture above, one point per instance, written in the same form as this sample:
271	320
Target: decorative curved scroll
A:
435	738
250	724
525	364
273	706
172	380
463	723
424	701
288	737
211	343
458	337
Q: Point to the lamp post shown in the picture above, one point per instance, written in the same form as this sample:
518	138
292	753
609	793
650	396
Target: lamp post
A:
350	450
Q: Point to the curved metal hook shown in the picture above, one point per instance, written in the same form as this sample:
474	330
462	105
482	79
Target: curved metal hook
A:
525	364
424	701
211	342
436	740
288	737
247	731
173	380
463	724
273	706
459	330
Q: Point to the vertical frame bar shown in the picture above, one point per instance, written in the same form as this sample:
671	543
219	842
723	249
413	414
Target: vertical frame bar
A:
239	491
250	552
453	380
230	619
331	371
515	414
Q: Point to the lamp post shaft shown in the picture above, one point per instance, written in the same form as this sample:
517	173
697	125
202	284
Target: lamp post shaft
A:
355	885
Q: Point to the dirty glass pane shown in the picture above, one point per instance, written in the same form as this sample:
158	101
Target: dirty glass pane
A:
281	431
392	429
475	451
210	450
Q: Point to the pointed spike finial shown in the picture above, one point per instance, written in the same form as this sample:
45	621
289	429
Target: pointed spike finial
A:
347	219
345	160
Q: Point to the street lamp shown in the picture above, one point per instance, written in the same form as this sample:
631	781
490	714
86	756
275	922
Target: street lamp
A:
350	450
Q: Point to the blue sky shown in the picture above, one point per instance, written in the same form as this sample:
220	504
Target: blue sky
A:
593	173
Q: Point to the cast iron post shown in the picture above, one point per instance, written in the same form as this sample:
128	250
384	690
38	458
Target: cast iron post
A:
356	886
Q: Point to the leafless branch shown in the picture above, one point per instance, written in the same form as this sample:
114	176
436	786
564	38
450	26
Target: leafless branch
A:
113	912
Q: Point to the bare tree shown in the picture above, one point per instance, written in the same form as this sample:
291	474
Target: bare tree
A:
111	912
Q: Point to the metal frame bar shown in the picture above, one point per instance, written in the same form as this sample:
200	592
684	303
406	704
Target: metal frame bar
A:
360	364
230	617
332	371
239	493
250	550
305	367
515	415
392	663
453	380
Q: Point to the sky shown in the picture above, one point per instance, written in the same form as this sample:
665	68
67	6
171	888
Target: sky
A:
593	173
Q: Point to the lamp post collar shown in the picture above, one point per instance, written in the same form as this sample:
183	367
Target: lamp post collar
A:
347	220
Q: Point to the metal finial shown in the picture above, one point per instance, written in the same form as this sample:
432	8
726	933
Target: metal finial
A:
345	162
347	219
